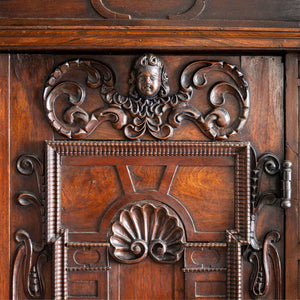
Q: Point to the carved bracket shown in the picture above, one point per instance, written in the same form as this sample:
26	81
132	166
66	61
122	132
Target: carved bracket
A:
149	107
264	262
147	228
263	254
28	263
30	256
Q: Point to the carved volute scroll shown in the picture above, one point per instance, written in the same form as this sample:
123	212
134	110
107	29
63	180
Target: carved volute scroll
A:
146	228
264	254
149	107
30	256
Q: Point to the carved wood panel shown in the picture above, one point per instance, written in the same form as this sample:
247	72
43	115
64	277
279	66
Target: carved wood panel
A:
130	217
149	106
87	182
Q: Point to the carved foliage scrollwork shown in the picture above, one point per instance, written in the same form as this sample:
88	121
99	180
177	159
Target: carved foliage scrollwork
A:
264	254
30	256
146	229
149	107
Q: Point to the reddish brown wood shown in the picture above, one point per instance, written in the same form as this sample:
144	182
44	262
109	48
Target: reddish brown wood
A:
25	110
149	108
200	192
120	38
254	10
4	174
292	153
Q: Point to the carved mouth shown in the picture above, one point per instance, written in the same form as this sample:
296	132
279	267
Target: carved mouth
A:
148	88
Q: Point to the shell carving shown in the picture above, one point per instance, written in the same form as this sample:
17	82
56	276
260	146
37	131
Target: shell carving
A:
144	229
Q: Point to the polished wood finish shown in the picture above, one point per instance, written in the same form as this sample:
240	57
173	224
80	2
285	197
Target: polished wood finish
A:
292	153
5	174
22	37
143	180
197	25
75	214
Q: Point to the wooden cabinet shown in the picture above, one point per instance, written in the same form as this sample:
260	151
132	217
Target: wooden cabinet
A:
149	151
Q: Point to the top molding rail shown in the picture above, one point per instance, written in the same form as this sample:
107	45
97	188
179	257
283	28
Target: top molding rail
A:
138	37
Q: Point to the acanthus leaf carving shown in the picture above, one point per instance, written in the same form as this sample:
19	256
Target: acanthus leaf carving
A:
149	107
146	229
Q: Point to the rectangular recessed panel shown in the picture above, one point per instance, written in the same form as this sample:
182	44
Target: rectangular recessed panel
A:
85	193
210	289
83	288
208	193
205	257
201	181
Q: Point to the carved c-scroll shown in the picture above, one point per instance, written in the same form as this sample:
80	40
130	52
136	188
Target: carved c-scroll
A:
146	229
149	107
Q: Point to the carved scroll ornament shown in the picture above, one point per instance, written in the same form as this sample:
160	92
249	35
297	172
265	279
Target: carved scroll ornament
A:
146	229
30	256
149	107
264	254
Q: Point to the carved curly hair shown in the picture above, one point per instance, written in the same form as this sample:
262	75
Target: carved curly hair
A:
148	60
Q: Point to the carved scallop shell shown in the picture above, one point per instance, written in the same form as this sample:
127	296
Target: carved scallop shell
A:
143	229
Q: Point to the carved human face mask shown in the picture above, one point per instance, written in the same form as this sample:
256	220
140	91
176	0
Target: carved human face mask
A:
148	81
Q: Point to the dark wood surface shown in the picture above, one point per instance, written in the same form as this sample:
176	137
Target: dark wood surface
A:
5	175
66	220
40	37
229	9
197	24
86	186
292	153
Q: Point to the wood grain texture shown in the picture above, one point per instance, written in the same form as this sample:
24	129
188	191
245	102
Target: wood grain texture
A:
268	10
30	128
265	78
24	37
4	175
292	153
27	76
148	107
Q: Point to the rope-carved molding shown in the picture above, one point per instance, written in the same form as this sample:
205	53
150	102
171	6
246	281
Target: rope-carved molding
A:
149	106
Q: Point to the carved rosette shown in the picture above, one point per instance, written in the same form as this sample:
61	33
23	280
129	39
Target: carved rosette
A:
146	229
149	107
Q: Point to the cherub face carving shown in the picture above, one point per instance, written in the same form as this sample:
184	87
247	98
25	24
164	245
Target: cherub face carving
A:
148	81
148	78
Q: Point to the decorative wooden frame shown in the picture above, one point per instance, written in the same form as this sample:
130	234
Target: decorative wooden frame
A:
72	152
